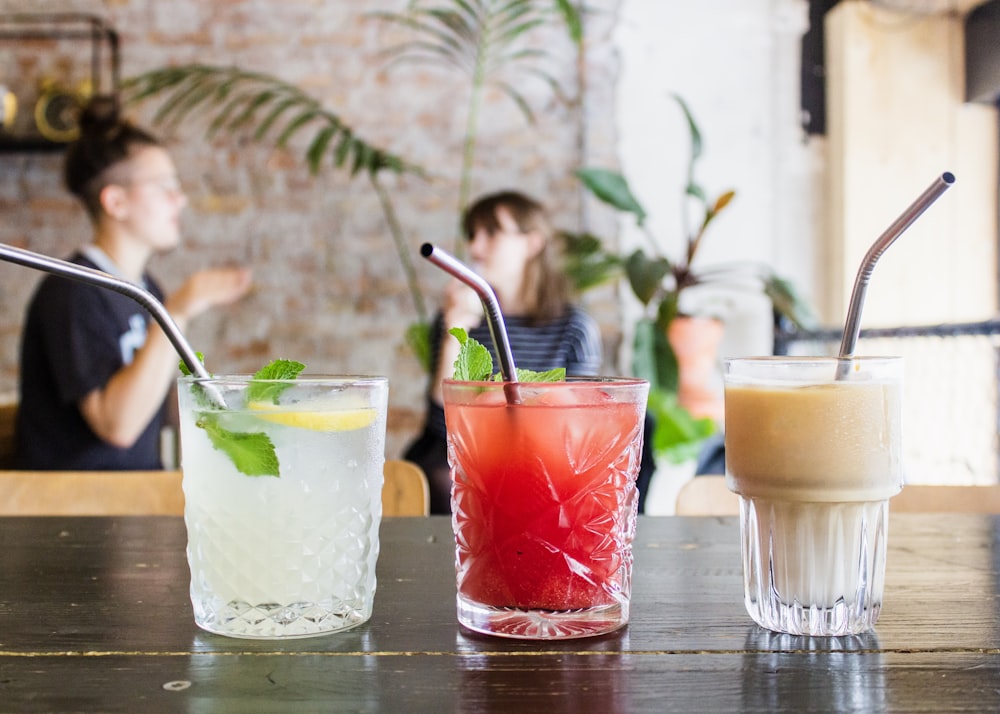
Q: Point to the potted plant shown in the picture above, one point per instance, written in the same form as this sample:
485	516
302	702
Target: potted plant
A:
664	332
659	281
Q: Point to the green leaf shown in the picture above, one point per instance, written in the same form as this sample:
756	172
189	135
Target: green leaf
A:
317	149
645	274
527	375
252	453
789	303
653	358
695	132
231	98
586	262
418	338
612	188
279	369
677	436
574	23
474	362
185	370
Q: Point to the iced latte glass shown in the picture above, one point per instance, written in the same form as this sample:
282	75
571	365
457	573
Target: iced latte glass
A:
283	500
814	460
544	503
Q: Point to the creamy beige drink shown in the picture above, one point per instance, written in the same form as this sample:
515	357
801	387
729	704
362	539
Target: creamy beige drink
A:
826	442
815	461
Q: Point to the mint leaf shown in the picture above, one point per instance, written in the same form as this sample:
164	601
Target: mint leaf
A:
277	369
553	375
183	365
280	369
474	362
252	453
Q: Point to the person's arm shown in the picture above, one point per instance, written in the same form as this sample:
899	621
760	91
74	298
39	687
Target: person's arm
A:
461	308
119	412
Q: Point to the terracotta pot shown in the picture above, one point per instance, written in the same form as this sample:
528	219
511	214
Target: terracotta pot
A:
695	341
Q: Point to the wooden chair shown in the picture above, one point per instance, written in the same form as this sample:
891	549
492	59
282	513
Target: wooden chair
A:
405	492
708	496
158	493
8	412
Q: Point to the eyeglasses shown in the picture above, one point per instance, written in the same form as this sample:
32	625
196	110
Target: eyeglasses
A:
166	184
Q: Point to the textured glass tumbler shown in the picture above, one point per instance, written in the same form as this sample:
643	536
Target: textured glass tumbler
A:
814	460
283	501
544	504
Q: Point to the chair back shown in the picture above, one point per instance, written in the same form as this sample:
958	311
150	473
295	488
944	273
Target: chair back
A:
8	414
405	491
159	493
91	493
708	496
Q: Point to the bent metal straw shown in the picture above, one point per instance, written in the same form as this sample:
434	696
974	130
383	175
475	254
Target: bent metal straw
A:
494	318
852	327
142	296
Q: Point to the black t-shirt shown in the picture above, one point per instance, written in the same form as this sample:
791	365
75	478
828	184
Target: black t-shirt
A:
76	337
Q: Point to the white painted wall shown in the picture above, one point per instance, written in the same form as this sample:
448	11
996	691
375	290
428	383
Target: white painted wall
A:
736	63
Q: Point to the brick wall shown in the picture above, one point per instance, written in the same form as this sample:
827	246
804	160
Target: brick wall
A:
329	289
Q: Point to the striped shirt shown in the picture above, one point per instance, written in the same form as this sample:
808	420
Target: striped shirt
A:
572	340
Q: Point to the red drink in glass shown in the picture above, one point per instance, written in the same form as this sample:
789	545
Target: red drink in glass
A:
544	504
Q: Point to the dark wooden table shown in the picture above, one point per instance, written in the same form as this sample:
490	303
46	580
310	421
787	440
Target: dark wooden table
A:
95	616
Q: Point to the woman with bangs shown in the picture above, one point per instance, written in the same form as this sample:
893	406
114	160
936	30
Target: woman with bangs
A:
512	245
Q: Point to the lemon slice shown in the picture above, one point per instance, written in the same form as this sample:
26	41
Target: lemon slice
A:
331	420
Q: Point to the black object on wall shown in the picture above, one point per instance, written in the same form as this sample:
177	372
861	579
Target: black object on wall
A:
51	65
982	53
813	78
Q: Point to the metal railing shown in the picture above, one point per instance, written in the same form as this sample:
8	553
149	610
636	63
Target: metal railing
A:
951	397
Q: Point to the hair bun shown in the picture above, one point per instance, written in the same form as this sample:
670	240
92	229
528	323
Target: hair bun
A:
101	115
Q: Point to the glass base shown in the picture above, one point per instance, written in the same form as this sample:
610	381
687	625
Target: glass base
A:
813	568
274	621
541	624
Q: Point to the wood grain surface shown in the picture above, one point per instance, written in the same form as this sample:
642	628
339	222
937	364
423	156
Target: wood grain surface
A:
95	616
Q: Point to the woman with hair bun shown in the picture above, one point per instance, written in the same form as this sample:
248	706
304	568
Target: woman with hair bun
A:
95	368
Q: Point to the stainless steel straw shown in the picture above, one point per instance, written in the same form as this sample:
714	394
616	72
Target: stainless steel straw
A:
101	279
494	318
852	327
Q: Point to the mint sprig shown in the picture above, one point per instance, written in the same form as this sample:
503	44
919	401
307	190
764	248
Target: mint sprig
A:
252	452
277	369
475	364
185	370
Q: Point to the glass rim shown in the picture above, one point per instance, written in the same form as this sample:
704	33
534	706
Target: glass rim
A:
812	359
575	380
302	379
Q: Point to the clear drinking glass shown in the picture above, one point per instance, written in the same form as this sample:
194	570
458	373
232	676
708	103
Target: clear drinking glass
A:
814	460
544	504
289	549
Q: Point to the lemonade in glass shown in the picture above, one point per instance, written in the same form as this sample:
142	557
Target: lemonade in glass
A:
282	491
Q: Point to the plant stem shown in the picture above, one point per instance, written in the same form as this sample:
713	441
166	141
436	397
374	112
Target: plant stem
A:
469	150
402	249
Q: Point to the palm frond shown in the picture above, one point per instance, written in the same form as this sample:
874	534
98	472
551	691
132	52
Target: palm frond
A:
228	99
517	98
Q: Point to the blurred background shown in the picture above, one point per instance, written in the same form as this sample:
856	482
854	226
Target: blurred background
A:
826	119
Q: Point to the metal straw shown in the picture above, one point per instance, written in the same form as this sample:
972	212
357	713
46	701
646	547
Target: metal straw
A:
104	280
494	318
852	327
